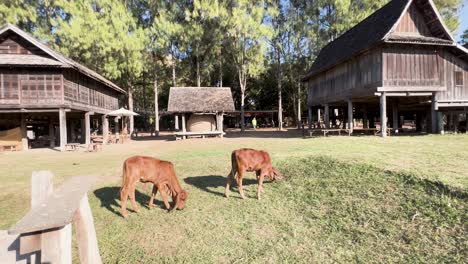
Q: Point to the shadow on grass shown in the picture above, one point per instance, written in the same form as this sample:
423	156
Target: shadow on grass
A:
208	183
110	199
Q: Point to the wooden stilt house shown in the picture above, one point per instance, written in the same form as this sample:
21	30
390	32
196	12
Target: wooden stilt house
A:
52	99
201	105
401	60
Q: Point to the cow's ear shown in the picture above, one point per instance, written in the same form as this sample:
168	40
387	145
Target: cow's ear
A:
183	195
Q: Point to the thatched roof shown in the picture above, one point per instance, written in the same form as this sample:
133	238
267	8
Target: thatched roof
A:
200	100
66	62
377	29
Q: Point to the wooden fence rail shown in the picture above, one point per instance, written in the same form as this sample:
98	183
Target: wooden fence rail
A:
44	234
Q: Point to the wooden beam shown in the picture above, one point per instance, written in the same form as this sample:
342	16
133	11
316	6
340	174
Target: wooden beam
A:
56	245
440	123
58	209
309	117
411	89
383	114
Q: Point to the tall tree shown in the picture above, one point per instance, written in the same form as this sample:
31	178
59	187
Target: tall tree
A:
104	36
247	37
464	37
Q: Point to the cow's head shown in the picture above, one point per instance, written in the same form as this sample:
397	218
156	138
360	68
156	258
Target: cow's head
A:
275	175
181	199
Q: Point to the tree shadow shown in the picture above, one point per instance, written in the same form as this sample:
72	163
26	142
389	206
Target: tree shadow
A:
110	199
211	182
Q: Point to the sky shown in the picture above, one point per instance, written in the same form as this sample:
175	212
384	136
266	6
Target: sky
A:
463	19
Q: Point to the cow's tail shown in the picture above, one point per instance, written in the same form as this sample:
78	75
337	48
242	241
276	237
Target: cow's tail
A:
124	174
233	172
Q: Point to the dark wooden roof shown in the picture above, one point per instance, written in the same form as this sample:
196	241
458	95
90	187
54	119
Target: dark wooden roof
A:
200	100
66	62
28	60
376	29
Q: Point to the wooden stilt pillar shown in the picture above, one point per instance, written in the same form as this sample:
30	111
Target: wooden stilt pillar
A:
350	116
319	117
183	125
51	134
383	114
395	116
219	123
71	127
63	128
87	128
327	115
440	123
105	129
176	121
433	115
309	117
365	119
24	133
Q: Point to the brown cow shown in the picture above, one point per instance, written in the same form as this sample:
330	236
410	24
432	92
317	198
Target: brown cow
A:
250	160
160	173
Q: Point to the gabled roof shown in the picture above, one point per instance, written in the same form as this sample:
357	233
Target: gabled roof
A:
62	60
378	28
200	100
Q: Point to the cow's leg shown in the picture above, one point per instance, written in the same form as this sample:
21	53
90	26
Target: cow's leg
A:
164	197
229	182
123	200
153	194
260	184
132	198
240	174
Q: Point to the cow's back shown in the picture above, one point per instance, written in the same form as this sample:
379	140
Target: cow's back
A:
252	158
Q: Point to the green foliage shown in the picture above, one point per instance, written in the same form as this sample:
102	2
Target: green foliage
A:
449	10
464	37
18	12
203	42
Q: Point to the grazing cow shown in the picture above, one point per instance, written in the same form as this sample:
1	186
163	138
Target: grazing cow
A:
160	173
250	160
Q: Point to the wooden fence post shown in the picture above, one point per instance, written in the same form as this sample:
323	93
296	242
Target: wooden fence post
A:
86	234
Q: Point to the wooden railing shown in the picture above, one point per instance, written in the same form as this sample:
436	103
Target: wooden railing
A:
44	234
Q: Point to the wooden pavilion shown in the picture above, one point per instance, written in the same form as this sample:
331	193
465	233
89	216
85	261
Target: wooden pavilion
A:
401	59
201	104
49	95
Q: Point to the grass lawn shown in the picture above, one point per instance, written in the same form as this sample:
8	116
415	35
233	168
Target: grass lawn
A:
346	199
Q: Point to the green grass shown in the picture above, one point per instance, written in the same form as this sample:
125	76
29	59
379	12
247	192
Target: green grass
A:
326	211
346	199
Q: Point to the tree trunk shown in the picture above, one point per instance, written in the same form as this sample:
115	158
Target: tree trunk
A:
242	83
280	103
174	84
198	73
220	83
156	109
130	106
299	115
